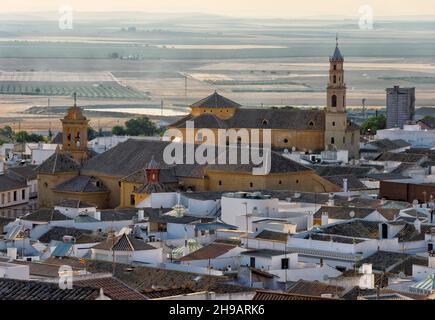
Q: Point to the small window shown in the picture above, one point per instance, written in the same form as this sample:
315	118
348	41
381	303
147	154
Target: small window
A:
297	181
335	67
311	123
132	200
45	184
252	262
333	123
332	140
23	194
284	263
220	182
251	184
285	140
335	79
334	101
15	196
119	183
279	182
265	122
344	140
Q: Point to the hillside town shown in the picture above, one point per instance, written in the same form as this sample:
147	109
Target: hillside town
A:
342	214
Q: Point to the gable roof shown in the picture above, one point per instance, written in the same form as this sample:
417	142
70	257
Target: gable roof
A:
73	203
114	288
57	163
132	155
272	235
45	215
215	100
11	289
81	184
401	157
314	288
342	212
301	119
123	242
211	251
9	183
353	183
281	296
57	234
24	172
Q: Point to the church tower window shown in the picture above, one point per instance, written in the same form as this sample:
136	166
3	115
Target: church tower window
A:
334	101
332	140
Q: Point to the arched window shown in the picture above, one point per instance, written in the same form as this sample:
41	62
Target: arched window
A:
332	140
335	79
335	67
334	101
333	123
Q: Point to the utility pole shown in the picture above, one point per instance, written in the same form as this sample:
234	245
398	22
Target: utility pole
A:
247	226
364	108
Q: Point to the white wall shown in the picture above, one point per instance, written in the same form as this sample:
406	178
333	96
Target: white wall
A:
234	209
14	271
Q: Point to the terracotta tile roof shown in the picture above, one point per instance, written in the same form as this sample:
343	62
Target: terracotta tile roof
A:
58	162
112	287
314	288
211	251
45	215
82	184
353	183
32	290
123	243
278	296
215	100
343	212
272	235
142	278
10	183
402	157
166	292
57	234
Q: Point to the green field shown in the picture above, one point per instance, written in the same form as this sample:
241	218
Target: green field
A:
100	90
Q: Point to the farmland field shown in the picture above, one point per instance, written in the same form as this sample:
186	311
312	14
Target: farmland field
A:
168	62
99	90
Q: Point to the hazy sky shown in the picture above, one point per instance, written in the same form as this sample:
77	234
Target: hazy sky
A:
259	8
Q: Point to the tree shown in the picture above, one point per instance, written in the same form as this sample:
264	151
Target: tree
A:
141	126
24	136
8	132
372	124
428	117
118	131
92	133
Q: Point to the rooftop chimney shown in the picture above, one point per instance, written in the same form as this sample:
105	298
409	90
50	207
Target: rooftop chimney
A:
345	188
140	215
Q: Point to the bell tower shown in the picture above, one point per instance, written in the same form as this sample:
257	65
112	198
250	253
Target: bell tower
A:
75	132
335	111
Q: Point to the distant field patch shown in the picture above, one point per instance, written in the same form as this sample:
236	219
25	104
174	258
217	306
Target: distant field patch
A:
411	79
87	89
253	82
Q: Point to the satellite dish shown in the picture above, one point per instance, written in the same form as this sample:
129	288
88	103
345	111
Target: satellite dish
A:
293	148
352	214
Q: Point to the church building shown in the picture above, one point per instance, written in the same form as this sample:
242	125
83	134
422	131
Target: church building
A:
299	129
